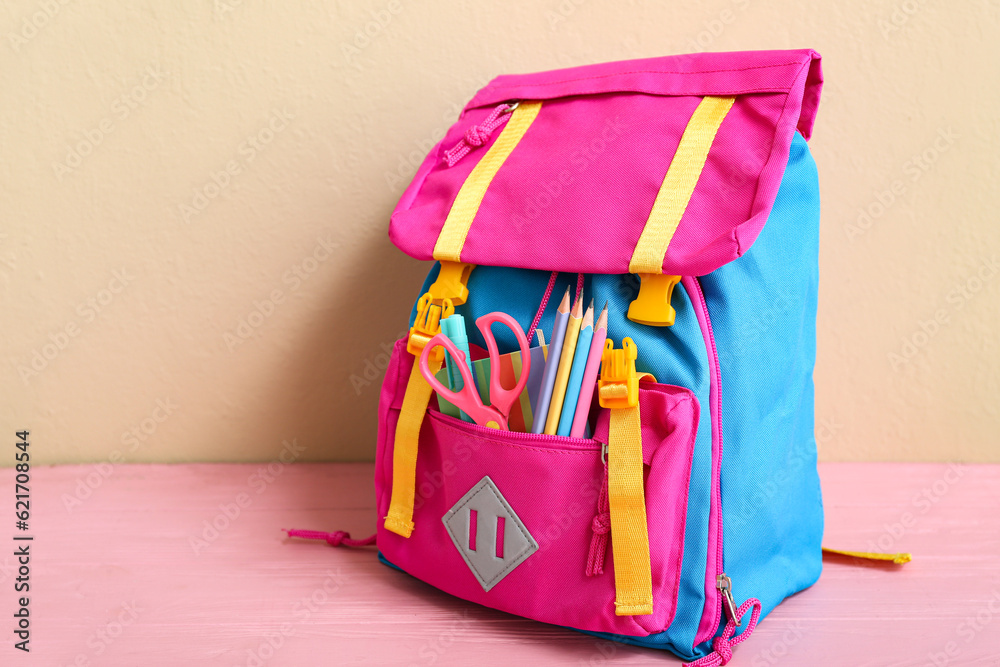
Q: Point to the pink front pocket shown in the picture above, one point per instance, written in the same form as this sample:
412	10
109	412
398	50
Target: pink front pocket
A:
506	519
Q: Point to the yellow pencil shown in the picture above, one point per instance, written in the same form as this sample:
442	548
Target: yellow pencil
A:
565	364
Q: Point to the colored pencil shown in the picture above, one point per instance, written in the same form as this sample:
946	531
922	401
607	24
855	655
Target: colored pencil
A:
573	385
551	365
565	364
590	375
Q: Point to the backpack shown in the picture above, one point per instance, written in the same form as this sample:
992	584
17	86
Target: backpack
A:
694	506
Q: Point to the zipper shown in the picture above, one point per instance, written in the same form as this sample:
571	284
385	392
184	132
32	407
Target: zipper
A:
725	586
541	440
723	582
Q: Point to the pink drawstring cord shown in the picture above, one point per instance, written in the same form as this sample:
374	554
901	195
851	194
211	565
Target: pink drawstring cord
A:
722	646
541	307
334	539
601	526
545	301
477	135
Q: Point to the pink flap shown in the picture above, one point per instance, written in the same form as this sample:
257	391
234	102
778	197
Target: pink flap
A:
576	192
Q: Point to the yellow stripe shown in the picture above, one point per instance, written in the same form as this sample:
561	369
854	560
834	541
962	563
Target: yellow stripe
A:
629	532
898	559
470	196
404	454
678	185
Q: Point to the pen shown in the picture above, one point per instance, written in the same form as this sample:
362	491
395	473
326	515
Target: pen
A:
454	328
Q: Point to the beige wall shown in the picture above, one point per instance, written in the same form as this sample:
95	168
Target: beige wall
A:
116	115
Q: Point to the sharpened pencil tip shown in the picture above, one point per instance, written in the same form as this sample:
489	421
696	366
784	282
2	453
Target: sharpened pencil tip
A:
564	304
602	321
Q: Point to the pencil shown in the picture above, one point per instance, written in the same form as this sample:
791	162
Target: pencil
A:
573	385
590	375
565	363
551	365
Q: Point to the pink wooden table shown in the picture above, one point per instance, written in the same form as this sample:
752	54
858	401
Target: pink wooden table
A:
135	573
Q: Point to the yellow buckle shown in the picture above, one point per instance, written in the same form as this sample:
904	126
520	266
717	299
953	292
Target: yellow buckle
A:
447	291
451	283
619	384
427	325
652	306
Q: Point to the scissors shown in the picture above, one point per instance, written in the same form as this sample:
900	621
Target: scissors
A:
467	399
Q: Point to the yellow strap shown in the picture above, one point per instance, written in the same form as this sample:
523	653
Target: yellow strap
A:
404	454
463	211
629	532
678	185
898	559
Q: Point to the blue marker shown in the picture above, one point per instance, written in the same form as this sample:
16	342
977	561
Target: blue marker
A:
454	328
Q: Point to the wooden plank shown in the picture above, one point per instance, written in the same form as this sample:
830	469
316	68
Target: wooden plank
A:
119	576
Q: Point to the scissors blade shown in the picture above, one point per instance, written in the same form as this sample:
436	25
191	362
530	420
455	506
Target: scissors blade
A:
503	399
467	398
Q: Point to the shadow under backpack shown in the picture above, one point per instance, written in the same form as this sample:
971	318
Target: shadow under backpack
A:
681	191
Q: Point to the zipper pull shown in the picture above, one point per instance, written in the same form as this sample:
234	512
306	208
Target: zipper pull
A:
722	646
477	135
725	585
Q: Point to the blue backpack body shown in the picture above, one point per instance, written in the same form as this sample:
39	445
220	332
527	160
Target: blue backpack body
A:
743	342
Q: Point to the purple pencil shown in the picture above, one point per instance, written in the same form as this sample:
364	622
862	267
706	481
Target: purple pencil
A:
549	377
590	375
